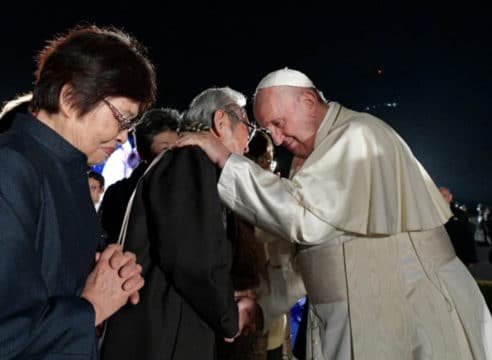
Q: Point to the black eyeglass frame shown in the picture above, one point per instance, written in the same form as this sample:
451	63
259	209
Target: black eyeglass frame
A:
252	128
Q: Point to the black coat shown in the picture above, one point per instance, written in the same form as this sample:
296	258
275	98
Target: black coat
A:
49	235
460	232
176	228
113	206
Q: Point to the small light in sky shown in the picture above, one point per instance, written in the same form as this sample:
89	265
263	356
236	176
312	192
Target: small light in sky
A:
379	71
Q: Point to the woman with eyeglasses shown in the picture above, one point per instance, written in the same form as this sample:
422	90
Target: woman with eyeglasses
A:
57	282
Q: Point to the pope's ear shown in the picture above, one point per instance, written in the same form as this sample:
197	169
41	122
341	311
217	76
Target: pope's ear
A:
65	104
309	99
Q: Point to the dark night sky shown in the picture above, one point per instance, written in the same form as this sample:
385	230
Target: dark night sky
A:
437	63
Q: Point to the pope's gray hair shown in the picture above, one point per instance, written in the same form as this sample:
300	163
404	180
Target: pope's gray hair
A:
200	113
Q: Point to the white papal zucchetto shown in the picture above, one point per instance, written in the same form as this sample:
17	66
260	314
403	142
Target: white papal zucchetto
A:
285	77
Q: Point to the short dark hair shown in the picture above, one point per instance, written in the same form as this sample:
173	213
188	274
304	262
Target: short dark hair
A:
259	145
96	176
153	122
97	63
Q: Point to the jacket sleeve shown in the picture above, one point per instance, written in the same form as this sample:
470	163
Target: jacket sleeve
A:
188	237
32	322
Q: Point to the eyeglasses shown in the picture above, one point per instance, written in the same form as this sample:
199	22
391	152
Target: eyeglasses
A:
244	119
124	123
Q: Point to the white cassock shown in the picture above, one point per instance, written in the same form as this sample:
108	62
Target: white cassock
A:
379	269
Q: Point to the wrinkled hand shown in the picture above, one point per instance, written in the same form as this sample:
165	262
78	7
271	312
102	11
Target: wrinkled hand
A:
239	294
105	288
248	312
128	269
217	152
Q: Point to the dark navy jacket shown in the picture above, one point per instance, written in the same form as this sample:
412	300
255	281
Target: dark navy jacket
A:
49	235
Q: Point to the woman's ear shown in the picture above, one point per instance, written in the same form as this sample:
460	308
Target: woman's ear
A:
65	104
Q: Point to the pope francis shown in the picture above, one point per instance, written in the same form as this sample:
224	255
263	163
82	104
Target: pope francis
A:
367	223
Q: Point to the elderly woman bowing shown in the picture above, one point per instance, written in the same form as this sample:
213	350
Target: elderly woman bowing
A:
57	282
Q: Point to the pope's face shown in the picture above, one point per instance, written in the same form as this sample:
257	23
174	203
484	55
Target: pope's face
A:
283	114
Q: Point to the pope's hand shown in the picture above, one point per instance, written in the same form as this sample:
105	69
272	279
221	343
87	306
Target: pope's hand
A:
217	152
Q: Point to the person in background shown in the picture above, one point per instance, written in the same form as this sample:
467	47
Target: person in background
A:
482	227
367	222
261	151
121	163
248	267
460	231
154	133
58	281
96	187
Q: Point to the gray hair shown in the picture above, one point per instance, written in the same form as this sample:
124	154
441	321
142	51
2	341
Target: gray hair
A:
200	113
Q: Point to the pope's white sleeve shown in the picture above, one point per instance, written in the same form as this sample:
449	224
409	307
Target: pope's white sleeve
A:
266	200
